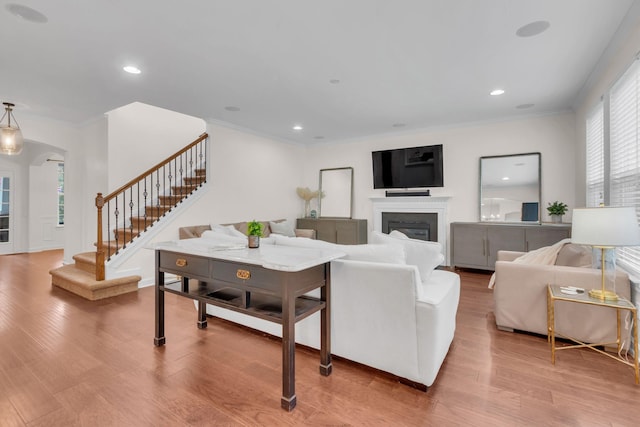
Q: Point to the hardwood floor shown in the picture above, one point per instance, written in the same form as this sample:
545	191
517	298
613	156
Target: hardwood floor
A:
66	361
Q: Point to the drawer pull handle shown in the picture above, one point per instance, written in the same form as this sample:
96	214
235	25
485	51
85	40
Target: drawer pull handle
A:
181	262
243	274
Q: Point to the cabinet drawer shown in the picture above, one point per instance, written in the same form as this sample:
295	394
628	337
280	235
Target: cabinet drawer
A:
184	264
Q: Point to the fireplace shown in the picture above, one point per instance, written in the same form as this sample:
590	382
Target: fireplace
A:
435	208
417	225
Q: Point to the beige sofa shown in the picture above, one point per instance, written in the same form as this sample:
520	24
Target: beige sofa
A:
194	231
520	296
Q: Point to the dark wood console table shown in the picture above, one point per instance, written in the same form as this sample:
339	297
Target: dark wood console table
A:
268	283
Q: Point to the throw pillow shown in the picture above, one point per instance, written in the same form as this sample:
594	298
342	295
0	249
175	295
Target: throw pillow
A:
424	255
573	255
285	228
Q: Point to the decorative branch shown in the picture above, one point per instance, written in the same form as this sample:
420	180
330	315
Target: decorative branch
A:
306	194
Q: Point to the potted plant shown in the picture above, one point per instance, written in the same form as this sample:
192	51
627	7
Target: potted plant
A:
254	232
556	210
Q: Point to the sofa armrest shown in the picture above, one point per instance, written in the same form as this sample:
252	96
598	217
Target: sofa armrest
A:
305	232
509	255
373	315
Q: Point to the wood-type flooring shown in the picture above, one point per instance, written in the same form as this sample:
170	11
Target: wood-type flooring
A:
66	361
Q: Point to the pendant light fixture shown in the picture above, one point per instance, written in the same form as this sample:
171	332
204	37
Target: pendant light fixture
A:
11	141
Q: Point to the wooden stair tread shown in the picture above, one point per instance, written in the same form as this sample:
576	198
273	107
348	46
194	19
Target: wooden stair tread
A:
84	284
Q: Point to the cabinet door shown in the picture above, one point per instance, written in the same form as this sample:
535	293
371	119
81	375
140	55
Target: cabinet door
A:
469	245
326	230
541	237
503	238
346	232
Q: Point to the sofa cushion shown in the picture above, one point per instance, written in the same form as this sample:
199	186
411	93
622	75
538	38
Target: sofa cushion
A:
383	253
284	228
572	255
372	252
424	255
301	242
228	230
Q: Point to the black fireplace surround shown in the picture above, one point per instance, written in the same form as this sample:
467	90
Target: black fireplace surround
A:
422	226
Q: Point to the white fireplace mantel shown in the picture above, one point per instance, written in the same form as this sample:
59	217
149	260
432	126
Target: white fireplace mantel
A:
414	204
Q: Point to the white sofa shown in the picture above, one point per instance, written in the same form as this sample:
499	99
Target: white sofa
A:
386	311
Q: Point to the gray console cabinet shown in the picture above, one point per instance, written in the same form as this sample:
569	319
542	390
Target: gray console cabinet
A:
476	245
342	231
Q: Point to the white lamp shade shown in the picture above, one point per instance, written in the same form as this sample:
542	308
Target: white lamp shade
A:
605	226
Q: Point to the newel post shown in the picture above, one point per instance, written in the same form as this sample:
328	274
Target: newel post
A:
100	247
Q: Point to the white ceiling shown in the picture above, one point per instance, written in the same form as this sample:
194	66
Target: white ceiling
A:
420	63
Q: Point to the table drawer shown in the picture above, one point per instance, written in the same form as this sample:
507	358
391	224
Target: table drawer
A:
184	264
251	275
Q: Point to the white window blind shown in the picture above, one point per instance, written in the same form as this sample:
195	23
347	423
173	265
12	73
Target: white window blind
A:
624	146
595	156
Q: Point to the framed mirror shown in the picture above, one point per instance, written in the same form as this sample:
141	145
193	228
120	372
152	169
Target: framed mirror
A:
510	188
337	186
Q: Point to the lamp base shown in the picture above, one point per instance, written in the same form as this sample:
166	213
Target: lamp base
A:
603	295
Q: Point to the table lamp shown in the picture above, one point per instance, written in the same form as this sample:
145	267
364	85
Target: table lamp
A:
605	228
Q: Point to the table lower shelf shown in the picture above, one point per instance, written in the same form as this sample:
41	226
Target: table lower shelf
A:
257	304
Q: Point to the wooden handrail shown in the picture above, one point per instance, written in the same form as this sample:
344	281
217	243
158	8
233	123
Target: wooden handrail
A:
101	201
154	168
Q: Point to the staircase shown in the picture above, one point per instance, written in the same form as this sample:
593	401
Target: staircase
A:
86	277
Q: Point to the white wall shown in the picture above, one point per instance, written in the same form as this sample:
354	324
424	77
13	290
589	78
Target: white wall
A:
251	177
553	136
140	136
45	136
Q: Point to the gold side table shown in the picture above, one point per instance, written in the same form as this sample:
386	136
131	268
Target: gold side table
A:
555	293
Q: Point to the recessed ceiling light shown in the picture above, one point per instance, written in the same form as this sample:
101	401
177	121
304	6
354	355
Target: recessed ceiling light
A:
524	106
131	69
334	81
505	178
297	127
26	13
232	108
399	125
496	92
533	29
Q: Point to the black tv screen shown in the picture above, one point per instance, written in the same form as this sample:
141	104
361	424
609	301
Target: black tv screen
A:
408	167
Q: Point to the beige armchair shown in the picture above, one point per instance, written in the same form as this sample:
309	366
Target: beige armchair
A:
520	296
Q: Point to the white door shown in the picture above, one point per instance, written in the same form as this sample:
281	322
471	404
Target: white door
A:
6	213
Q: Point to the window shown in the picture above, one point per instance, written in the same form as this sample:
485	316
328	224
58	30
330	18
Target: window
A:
624	146
613	133
60	193
4	208
595	157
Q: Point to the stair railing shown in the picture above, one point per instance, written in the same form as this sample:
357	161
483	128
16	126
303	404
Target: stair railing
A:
148	197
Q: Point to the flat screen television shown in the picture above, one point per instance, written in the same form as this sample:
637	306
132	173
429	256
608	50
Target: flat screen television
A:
413	167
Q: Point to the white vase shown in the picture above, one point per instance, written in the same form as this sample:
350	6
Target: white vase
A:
556	219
